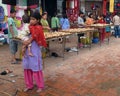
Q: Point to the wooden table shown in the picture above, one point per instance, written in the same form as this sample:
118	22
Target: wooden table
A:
50	36
79	31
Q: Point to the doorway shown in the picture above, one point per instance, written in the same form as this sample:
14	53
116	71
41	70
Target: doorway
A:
50	6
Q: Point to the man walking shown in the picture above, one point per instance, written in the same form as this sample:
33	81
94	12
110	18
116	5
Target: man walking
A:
116	22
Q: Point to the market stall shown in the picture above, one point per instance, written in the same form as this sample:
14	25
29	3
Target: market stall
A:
87	31
100	26
51	36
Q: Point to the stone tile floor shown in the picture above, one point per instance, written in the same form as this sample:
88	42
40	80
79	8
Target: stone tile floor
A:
94	72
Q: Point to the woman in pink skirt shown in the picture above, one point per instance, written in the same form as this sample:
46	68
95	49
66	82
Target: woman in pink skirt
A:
33	64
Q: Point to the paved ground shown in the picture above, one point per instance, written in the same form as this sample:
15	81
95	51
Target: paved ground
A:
94	72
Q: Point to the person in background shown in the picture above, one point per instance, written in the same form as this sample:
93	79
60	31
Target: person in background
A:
46	28
55	25
64	22
44	22
90	19
81	24
12	33
108	19
33	65
116	22
108	28
102	30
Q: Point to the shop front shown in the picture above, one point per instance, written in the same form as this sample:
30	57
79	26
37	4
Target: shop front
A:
94	6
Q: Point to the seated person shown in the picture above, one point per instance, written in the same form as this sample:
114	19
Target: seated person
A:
90	20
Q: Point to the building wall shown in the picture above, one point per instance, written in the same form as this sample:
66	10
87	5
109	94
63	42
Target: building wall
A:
88	5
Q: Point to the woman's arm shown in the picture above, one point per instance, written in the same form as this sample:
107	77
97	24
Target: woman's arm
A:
46	27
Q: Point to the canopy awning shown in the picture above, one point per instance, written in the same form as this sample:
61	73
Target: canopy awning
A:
21	2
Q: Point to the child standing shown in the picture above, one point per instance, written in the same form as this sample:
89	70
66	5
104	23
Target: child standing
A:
33	65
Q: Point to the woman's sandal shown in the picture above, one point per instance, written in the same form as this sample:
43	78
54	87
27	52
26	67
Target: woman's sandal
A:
39	90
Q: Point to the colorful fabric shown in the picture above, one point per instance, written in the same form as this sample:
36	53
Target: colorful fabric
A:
34	62
38	35
89	21
1	14
38	77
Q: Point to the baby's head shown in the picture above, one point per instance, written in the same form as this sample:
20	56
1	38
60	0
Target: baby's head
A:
26	19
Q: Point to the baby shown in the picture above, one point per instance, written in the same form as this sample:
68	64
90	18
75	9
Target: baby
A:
24	35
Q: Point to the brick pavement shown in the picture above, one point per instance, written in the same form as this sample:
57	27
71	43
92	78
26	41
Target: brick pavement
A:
92	72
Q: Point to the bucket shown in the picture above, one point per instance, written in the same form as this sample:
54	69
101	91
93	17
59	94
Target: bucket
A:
95	40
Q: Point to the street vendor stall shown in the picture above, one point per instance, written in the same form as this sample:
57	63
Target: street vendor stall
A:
50	36
87	31
99	26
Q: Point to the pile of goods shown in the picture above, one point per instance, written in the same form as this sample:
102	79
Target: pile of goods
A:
99	25
78	30
55	34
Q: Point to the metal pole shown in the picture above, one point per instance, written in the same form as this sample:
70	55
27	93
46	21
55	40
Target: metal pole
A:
43	5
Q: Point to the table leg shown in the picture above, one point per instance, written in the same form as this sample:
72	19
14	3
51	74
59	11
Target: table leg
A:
90	44
100	37
63	46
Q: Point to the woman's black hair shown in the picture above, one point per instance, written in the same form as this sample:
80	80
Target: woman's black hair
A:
37	16
26	19
80	13
44	14
90	15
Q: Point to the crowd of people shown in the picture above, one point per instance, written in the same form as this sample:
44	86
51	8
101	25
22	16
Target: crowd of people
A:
32	36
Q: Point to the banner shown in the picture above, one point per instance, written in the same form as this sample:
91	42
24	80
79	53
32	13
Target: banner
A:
111	8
